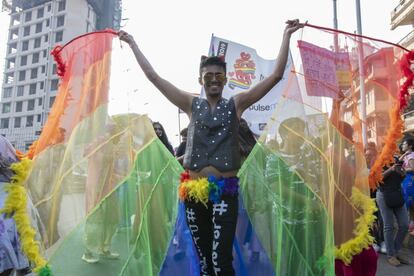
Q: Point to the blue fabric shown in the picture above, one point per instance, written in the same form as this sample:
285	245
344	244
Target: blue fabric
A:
249	256
408	189
11	256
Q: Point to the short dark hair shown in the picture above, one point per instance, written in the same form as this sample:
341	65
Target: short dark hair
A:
410	142
346	130
294	123
212	60
184	131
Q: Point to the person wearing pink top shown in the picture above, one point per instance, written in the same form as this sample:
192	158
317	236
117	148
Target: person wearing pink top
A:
407	185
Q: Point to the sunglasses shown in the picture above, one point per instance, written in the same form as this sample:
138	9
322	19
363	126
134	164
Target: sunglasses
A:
209	77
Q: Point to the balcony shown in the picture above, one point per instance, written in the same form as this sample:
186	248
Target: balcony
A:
409	121
408	41
403	14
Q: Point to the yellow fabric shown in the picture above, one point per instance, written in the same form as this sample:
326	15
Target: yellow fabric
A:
362	239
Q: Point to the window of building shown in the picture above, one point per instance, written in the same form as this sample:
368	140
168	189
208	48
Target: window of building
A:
40	101
41	85
15	20
19	106
51	101
59	36
14	33
43	69
27	145
26	31
44	53
38	27
54	84
33	73
5	108
37	42
4	123
35	57
32	89
25	45
20	90
39	118
17	122
9	78
40	12
10	63
28	16
49	7
30	105
7	92
22	75
29	121
54	69
62	5
23	60
46	38
60	21
12	48
47	22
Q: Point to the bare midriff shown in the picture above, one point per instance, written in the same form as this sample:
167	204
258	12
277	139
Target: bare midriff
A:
211	171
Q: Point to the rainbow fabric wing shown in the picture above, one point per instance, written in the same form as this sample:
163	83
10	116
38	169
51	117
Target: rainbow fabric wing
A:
103	184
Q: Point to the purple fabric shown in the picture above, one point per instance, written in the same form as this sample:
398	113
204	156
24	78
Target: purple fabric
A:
231	186
7	150
11	256
228	186
7	157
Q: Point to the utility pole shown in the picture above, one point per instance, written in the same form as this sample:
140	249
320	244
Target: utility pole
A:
335	24
361	74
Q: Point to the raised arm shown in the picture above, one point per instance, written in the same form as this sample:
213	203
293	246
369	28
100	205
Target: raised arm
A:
246	99
336	108
177	96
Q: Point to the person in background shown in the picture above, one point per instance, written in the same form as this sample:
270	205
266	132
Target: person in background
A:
407	147
12	258
247	139
162	135
390	202
377	230
179	154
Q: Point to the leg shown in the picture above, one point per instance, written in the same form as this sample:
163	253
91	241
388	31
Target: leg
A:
199	220
224	223
388	219
402	221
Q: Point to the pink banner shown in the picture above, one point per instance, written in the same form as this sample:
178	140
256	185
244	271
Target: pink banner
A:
320	70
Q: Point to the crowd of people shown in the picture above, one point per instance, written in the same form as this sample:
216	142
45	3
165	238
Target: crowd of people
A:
394	198
214	146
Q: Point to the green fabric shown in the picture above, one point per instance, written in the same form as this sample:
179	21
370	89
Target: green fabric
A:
289	219
148	199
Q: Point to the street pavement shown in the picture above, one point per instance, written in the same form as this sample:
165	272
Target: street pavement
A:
385	269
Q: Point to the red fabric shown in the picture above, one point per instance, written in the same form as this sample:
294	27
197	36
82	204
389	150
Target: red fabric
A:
363	264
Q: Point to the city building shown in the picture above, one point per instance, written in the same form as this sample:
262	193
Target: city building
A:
402	15
30	82
381	87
